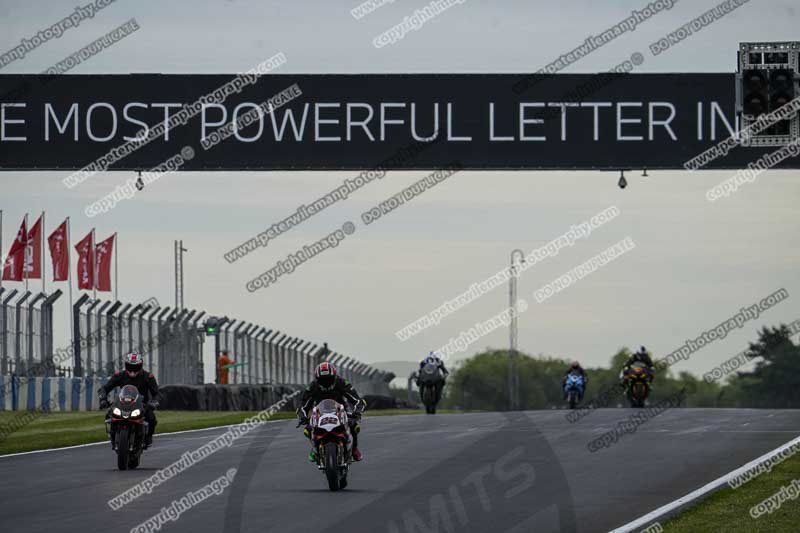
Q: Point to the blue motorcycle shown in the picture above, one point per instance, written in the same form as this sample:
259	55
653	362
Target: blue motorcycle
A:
573	389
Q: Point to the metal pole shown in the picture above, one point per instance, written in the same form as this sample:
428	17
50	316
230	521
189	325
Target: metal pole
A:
513	377
94	267
88	367
4	324
271	346
47	335
77	364
116	267
3	263
69	284
41	252
181	249
100	334
24	269
110	326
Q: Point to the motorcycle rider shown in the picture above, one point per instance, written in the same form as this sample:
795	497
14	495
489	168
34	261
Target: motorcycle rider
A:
433	359
328	385
575	368
642	356
145	382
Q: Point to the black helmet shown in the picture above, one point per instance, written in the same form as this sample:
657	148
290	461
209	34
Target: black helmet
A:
133	363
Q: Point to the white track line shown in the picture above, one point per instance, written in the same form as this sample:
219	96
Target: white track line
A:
161	435
671	507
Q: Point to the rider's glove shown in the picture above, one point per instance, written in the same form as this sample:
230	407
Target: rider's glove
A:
153	404
104	403
361	406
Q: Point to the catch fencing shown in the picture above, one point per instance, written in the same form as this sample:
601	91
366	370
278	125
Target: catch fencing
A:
171	342
26	333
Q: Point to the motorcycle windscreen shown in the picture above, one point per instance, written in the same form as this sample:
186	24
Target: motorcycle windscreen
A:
430	373
327	406
128	395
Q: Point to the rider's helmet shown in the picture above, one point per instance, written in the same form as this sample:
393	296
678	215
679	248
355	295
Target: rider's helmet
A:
133	364
325	374
575	365
431	358
642	350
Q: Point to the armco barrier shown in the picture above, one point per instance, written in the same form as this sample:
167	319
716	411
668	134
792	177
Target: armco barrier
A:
225	397
60	394
49	394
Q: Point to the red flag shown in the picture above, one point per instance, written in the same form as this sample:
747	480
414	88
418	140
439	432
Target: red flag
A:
15	260
59	252
85	262
103	252
33	252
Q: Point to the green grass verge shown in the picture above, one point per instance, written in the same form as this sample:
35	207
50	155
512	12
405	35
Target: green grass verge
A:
728	510
56	430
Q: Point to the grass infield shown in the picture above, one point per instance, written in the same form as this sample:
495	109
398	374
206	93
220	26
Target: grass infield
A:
56	430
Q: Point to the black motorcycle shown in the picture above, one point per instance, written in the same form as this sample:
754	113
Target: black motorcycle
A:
430	382
127	428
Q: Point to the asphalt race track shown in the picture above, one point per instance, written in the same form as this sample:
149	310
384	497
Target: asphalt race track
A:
481	472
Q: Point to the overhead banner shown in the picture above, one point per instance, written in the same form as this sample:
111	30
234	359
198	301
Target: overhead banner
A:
356	122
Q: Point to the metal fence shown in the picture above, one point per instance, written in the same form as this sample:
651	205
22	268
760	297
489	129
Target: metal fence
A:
26	333
171	343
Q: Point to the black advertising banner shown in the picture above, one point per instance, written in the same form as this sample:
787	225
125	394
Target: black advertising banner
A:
412	121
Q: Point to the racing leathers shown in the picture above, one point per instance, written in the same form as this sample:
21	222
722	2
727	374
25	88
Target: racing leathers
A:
342	392
577	370
638	357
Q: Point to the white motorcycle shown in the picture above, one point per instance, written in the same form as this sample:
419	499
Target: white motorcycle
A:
330	435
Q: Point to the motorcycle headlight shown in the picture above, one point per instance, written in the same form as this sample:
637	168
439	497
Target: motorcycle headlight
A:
135	413
117	412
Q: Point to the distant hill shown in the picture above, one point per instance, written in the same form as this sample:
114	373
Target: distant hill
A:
401	369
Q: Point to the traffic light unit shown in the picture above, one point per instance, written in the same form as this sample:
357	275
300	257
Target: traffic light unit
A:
768	78
213	324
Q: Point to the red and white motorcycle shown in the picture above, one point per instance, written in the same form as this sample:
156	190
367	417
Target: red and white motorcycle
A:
330	435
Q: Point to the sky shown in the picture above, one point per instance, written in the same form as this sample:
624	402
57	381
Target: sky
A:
695	263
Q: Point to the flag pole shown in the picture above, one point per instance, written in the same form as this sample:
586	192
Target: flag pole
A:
41	253
69	282
1	250
94	268
25	270
116	267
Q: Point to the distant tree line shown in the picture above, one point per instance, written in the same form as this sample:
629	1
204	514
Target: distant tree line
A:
769	378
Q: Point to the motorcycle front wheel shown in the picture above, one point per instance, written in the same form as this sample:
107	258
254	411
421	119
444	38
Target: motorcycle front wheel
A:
123	436
331	455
